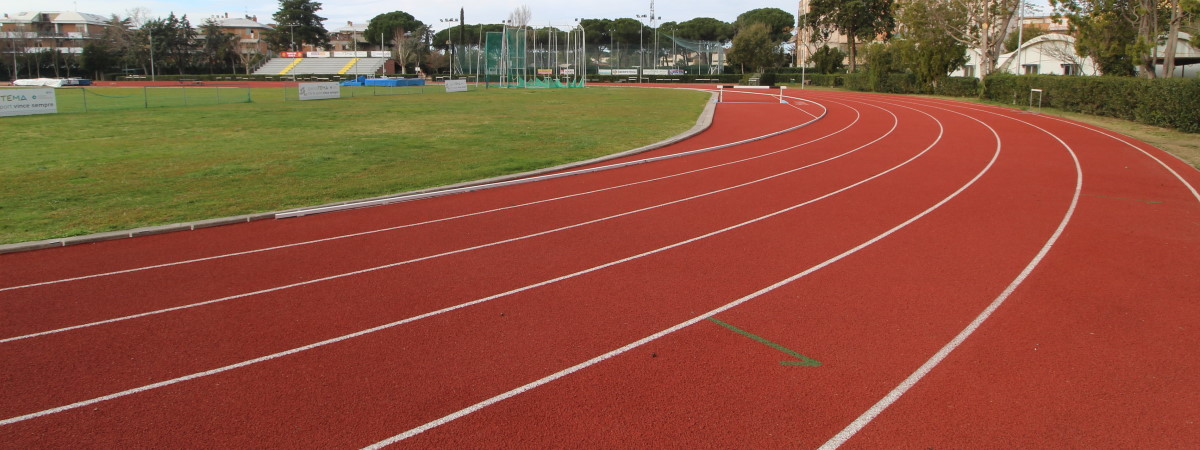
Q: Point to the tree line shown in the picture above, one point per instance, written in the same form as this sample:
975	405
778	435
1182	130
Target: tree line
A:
929	38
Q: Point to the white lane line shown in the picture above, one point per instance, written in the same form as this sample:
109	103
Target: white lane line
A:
1144	152
568	371
455	307
477	247
454	191
870	414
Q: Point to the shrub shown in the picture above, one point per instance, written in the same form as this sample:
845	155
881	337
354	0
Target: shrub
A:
1172	102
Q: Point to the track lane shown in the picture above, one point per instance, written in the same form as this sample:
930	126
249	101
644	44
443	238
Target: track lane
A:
272	268
1098	350
169	335
43	265
308	408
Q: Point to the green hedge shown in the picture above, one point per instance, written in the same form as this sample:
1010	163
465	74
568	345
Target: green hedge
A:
1170	102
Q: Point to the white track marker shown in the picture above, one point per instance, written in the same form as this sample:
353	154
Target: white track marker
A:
891	397
193	376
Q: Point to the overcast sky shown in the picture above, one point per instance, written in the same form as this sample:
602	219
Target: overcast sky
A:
338	12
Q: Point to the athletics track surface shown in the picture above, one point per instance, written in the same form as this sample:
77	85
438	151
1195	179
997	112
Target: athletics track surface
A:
902	272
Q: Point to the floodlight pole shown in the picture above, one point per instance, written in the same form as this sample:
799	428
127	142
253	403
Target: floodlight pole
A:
151	34
803	46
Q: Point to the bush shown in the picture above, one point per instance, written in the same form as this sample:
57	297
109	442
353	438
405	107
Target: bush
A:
1171	102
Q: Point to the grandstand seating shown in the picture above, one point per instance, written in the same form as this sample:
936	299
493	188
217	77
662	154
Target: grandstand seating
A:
322	66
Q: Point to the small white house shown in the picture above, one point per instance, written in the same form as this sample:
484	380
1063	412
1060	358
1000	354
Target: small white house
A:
1048	54
1054	54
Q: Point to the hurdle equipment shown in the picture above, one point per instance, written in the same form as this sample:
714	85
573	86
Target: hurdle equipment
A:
721	92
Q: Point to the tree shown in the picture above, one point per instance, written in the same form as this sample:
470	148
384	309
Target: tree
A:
856	19
386	25
520	17
297	24
754	46
1027	33
779	22
827	59
171	40
925	49
706	29
410	46
219	45
97	60
1104	26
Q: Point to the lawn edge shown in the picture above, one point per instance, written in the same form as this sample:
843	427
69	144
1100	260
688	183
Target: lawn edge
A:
703	122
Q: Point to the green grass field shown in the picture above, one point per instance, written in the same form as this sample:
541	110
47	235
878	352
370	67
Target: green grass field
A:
72	174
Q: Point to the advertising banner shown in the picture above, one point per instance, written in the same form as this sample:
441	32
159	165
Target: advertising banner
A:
655	71
624	72
24	102
350	54
318	54
567	71
378	54
456	85
545	71
319	91
604	72
291	54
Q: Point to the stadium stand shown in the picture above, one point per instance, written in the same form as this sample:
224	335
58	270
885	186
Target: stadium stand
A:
321	66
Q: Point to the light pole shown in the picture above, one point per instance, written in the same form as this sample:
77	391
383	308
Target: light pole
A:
612	50
292	33
450	42
151	34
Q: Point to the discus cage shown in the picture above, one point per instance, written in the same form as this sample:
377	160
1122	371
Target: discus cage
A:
525	57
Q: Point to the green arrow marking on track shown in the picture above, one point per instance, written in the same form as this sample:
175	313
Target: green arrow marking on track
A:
803	360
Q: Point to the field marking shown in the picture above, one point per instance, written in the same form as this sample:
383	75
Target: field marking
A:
895	123
803	360
570	370
193	376
399	199
870	414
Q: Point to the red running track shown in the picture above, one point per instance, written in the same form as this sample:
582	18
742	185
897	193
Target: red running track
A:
914	273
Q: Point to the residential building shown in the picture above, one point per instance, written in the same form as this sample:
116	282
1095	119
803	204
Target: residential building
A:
37	31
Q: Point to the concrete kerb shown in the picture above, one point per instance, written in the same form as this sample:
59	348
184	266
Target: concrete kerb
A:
702	123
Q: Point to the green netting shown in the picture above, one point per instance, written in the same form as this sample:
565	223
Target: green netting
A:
554	60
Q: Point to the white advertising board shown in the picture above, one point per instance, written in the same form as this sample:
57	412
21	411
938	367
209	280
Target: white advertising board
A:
604	72
376	54
350	54
24	102
456	85
320	91
624	72
655	71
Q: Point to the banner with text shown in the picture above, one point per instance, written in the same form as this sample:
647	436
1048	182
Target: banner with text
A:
456	85
24	102
320	91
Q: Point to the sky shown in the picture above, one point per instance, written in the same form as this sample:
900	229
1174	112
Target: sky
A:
433	12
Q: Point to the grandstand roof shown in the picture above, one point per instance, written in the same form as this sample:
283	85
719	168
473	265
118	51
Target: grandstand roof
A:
55	17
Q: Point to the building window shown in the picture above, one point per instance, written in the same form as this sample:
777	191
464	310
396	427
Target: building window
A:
1071	69
1029	69
968	70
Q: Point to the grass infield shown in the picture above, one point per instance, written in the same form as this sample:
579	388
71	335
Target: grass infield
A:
73	174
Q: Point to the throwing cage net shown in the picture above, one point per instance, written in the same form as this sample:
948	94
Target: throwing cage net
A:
536	58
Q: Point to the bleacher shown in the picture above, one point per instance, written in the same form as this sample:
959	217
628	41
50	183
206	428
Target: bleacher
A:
321	66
